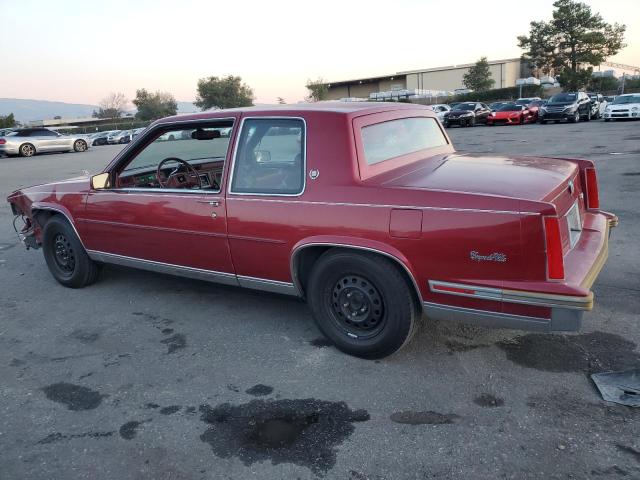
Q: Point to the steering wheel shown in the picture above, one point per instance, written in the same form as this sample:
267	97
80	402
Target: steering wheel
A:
192	178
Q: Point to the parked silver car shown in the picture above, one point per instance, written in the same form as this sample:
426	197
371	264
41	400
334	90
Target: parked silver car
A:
27	142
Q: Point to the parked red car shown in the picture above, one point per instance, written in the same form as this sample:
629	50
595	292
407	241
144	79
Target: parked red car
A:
364	209
511	114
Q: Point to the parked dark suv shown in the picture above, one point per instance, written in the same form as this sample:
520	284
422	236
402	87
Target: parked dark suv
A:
467	114
570	106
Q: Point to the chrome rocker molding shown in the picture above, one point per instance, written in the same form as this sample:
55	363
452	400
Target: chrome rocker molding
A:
561	320
196	273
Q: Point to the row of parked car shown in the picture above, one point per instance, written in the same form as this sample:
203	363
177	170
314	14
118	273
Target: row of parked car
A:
566	106
27	142
113	137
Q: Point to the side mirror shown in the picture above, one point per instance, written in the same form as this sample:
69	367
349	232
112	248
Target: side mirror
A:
100	181
262	156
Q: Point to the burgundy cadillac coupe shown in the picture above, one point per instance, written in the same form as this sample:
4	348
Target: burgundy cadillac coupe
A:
364	209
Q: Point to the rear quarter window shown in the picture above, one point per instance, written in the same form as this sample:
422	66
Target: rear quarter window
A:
395	138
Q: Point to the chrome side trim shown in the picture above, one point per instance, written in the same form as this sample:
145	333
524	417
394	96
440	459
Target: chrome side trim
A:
53	209
274	286
371	205
171	269
235	156
436	311
294	266
514	296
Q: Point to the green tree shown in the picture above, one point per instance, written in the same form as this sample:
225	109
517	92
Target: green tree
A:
225	92
7	121
603	84
152	106
478	78
111	106
318	90
571	43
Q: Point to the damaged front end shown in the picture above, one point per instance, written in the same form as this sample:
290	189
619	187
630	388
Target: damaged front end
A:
26	232
24	226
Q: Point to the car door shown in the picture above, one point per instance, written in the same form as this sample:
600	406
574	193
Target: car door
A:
180	228
45	140
268	174
482	112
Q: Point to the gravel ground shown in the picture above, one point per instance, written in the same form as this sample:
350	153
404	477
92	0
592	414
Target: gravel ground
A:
146	376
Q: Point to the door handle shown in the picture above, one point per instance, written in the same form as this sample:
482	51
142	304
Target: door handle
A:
213	203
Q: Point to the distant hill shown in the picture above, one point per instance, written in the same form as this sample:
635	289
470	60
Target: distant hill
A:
27	109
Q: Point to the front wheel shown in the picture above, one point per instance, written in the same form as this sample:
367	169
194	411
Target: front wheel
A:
79	145
66	258
606	119
576	117
363	303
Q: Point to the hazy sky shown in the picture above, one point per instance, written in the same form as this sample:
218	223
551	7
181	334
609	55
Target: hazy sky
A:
79	51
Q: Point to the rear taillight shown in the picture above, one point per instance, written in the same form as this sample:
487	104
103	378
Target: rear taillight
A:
2	141
555	262
593	198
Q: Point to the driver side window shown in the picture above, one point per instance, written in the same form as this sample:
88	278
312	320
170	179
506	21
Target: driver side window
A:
190	158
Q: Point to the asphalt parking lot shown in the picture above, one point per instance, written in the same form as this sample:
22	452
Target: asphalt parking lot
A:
144	376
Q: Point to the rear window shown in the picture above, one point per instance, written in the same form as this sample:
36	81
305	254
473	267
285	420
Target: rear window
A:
383	141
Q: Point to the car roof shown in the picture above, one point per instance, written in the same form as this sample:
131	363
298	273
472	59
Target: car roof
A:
353	108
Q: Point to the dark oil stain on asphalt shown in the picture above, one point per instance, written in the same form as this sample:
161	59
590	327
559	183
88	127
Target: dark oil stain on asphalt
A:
629	450
57	437
167	331
455	346
588	353
128	430
75	397
304	432
631	174
16	362
175	342
85	336
321	342
151	405
488	400
423	418
259	390
170	410
190	410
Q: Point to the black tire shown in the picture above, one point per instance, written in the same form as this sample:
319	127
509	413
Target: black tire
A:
446	125
80	146
472	122
385	308
27	150
588	116
607	119
543	122
576	117
66	258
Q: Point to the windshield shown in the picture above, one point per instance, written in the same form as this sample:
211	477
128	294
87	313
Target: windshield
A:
563	98
465	106
511	108
627	99
522	102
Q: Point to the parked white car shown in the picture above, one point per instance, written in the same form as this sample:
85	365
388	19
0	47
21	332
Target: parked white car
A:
440	110
624	106
27	142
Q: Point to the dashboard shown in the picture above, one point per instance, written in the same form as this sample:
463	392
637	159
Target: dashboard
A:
210	174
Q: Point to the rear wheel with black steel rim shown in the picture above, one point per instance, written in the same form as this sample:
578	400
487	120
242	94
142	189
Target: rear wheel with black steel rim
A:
66	258
363	303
